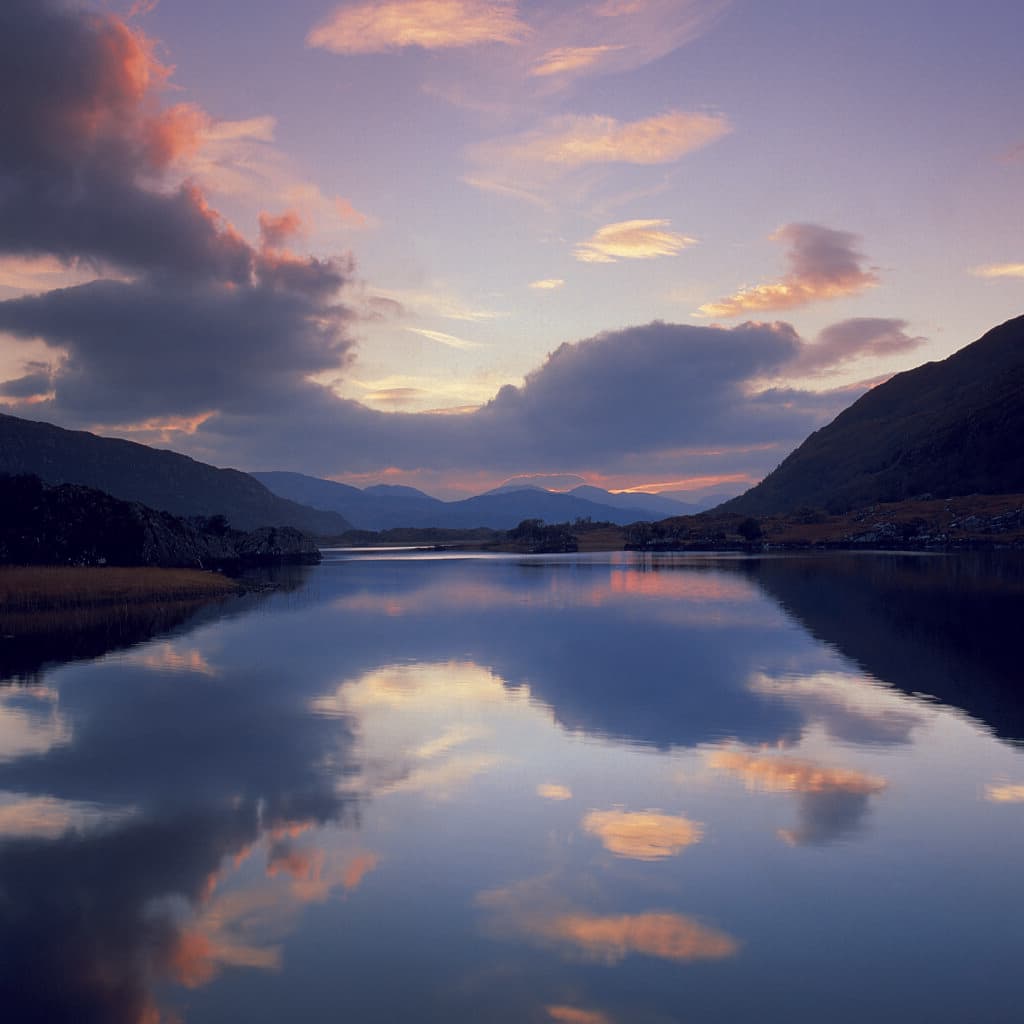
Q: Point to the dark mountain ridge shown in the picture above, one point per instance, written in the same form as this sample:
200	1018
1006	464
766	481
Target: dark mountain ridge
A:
946	428
385	506
154	477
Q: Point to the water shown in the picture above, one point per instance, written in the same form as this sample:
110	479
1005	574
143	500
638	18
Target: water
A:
609	789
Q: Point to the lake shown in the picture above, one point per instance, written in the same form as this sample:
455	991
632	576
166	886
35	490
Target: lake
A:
594	789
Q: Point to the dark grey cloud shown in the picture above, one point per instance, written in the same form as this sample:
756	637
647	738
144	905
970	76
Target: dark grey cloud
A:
850	339
153	348
37	382
643	397
84	145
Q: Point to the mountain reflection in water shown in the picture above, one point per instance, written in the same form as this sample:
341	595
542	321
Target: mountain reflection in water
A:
598	789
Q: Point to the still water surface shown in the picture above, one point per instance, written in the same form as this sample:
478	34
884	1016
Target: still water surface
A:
611	789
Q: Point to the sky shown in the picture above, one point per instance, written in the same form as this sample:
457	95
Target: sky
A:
648	244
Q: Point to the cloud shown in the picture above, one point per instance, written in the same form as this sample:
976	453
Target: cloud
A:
843	342
575	140
1005	793
161	348
32	385
449	340
999	270
833	801
656	399
562	43
632	239
49	818
275	231
655	934
642	835
823	264
570	58
548	284
83	180
851	711
535	908
430	24
554	791
87	144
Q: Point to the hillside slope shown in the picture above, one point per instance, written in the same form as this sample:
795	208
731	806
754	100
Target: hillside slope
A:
946	428
159	479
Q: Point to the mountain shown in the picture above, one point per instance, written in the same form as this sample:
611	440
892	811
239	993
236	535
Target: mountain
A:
385	507
638	501
375	508
395	491
947	428
153	477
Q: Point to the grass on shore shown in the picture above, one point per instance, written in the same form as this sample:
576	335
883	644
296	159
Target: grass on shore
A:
34	588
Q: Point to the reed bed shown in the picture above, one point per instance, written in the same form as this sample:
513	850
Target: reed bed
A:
40	588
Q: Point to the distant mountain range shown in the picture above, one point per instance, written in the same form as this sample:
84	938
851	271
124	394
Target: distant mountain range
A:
159	479
946	428
383	506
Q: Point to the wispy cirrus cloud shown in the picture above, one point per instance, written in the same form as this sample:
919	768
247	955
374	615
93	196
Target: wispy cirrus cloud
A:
823	264
999	270
634	240
526	164
565	59
443	338
428	24
547	284
575	140
240	159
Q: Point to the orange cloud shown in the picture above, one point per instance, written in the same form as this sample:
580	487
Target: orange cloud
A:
632	239
167	657
175	133
570	58
547	284
348	214
642	835
357	869
313	874
658	934
824	264
429	24
1007	793
790	775
577	140
575	1015
554	791
999	270
50	817
275	231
